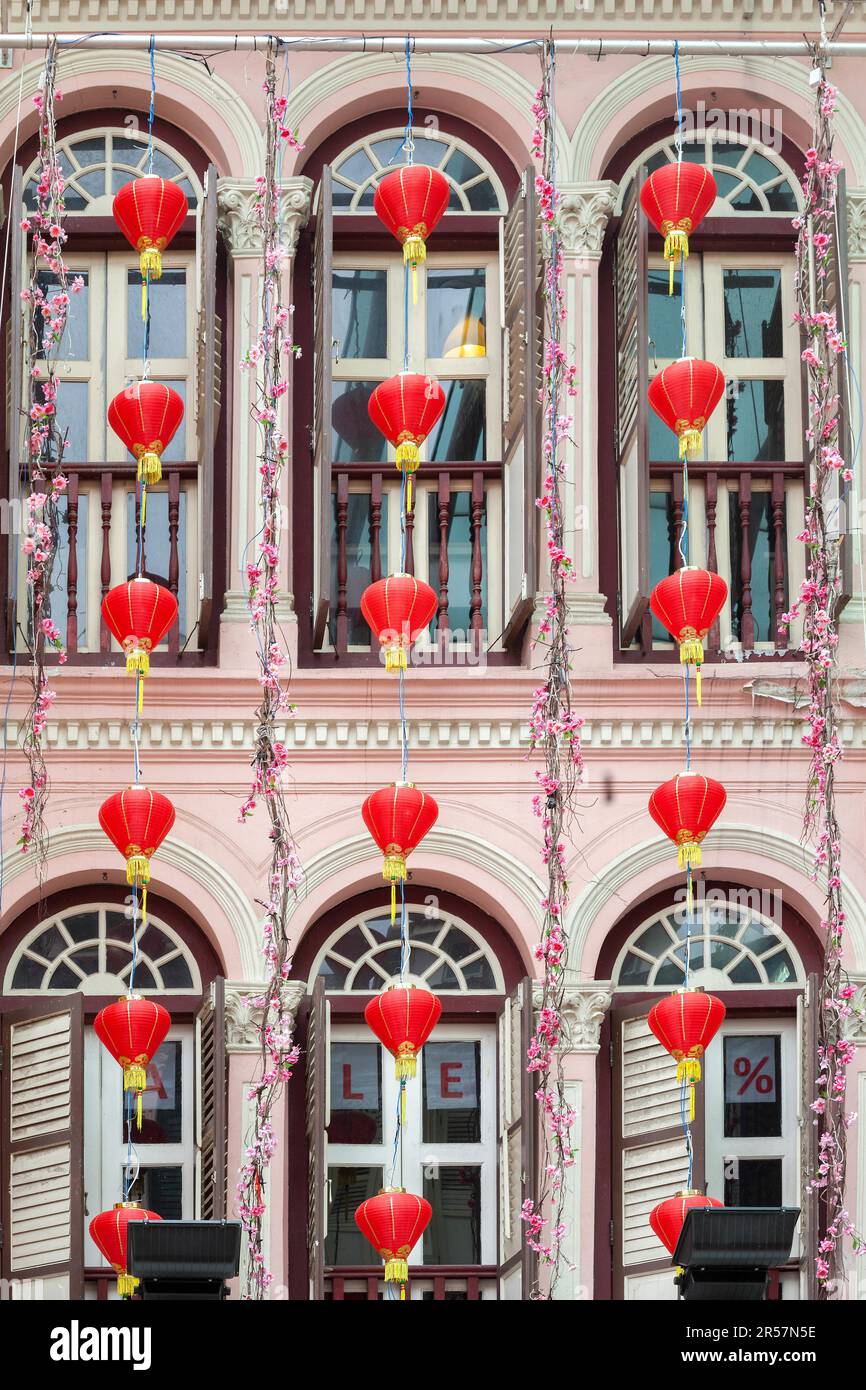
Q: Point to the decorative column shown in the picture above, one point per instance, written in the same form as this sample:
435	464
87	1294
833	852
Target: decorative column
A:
584	212
851	640
236	199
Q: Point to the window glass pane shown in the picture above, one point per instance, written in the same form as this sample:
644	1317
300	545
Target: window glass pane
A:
359	553
58	601
753	313
482	197
347	1189
162	1102
357	167
156	547
86	959
753	1182
459	543
663	549
167	316
90	151
727	183
360	313
745	973
175	974
728	154
64	977
634	971
176	451
665	330
354	436
478	974
74	346
117	958
451	1107
117	926
753	1086
72	418
461	167
664	447
756	421
356	1093
28	974
84	926
456	313
454	1234
164	166
780	969
781	198
747	201
390	150
159	1190
760	168
48	944
334	973
762	547
655	940
461	435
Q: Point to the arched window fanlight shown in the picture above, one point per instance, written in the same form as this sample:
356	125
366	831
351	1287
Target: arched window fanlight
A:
90	949
733	946
475	186
751	176
447	955
97	163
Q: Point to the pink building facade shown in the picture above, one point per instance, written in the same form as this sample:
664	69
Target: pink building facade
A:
476	882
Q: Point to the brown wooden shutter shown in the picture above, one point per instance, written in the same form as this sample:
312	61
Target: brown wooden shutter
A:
322	358
318	1119
15	339
649	1152
211	1114
522	346
808	1006
42	1157
209	392
630	441
517	1146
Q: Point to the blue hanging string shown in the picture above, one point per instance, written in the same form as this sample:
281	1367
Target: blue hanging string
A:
409	142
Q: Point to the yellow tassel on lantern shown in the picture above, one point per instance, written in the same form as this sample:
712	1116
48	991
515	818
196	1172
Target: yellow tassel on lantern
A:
414	252
393	870
138	869
134	1076
137	659
402	1104
396	1271
690	854
149	467
690	443
676	251
407	455
126	1284
692	654
150	262
409	494
395	658
689	1070
405	1063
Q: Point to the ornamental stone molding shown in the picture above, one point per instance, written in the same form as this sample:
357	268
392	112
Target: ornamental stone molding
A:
856	201
243	1020
855	1026
583	1010
236	201
584	212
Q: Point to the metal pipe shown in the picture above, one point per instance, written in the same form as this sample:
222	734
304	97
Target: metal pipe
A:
591	48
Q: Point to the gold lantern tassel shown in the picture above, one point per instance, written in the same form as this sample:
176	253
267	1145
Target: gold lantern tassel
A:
149	467
692	654
396	1271
137	660
676	252
395	657
138	867
690	443
403	1103
690	855
688	1070
414	252
409	494
405	1062
126	1284
393	901
150	262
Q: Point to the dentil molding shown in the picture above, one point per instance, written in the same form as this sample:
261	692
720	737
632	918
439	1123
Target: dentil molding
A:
236	203
584	212
244	1021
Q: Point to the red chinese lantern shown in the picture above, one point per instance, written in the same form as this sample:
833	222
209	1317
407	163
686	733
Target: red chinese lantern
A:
146	416
403	1019
410	202
139	614
668	1218
393	1223
150	211
406	408
688	603
398	609
684	395
137	821
108	1231
686	808
132	1030
398	817
685	1023
676	198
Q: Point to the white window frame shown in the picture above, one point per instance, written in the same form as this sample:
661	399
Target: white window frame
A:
423	137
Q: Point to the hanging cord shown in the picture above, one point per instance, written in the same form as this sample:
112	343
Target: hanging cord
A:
409	141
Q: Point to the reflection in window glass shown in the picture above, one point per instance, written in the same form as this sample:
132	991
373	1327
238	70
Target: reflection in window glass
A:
156	545
360	313
354	437
663	444
753	313
347	1189
762	548
159	1190
459	543
756	1182
162	1103
356	1093
58	601
753	1086
72	418
665	328
74	346
167	316
454	1234
359	554
634	971
663	549
756	421
456	313
451	1093
461	435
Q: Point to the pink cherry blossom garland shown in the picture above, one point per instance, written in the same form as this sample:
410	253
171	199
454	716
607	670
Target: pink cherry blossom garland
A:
554	733
816	606
46	301
268	360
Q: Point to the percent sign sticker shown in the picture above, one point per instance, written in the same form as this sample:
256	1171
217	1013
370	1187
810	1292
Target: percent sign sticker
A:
750	1070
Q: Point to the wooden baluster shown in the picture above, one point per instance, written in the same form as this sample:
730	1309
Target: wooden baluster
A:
473	1293
779	560
711	498
410	530
342	619
72	565
373	1289
106	484
438	1288
173	558
375	528
747	620
444	506
677	517
476	620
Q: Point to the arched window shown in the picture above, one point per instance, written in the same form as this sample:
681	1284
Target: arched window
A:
751	176
475	186
447	955
89	948
732	945
96	163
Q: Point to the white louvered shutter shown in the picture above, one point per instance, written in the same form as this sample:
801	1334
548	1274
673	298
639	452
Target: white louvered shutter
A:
42	1152
650	1161
516	1142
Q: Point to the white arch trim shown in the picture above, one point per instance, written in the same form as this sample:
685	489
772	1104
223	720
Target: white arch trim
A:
767	847
655	75
197	867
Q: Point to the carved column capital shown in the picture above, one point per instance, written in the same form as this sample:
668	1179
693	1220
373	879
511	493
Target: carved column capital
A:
856	201
584	212
236	202
585	1005
855	1024
244	1019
